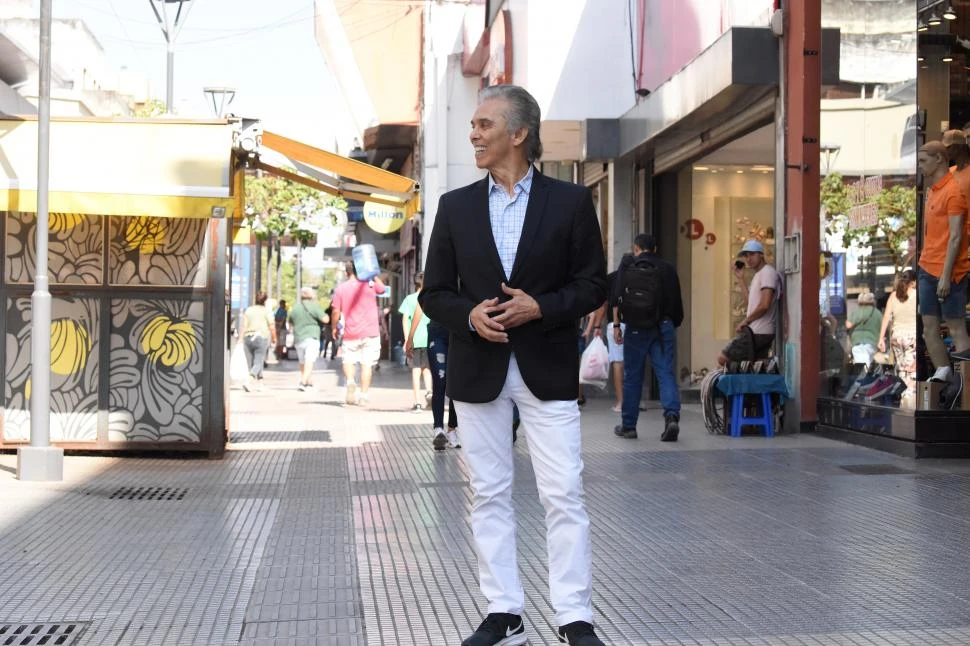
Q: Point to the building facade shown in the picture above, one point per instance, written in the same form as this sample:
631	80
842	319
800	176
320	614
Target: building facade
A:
83	83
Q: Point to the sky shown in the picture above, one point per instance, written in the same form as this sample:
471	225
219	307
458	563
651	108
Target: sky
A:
265	50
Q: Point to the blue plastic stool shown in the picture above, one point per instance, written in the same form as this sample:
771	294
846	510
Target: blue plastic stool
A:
765	420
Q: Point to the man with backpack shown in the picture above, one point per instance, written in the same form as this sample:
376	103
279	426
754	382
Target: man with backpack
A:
647	294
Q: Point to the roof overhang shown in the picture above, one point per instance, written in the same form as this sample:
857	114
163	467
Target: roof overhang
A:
740	70
130	167
338	175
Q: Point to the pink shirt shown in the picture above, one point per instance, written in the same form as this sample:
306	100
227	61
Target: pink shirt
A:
357	302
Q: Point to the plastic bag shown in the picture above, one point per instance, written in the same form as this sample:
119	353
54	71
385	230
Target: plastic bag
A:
594	366
238	366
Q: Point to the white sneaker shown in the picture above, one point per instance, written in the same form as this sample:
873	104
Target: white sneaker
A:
351	398
453	442
943	374
362	399
440	439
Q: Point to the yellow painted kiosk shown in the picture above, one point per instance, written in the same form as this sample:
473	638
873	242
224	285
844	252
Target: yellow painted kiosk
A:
142	214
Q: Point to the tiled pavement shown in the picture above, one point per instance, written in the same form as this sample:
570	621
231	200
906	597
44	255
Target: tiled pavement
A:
329	525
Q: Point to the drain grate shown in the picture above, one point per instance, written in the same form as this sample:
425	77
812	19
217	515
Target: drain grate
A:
875	469
148	493
49	634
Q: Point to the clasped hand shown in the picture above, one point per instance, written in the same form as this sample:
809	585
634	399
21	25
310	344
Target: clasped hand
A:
519	309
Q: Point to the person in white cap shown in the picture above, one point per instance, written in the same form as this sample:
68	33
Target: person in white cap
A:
756	331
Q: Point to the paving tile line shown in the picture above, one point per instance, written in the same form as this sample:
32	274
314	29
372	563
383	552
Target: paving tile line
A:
143	577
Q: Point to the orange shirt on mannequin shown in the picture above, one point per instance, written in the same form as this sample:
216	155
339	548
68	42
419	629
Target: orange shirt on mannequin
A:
945	199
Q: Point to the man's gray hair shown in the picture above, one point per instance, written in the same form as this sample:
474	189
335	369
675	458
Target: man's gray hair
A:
523	112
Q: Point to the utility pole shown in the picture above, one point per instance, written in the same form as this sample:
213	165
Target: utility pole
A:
40	461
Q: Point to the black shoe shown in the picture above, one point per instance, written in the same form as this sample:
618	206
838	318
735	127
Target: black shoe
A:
671	429
440	440
579	633
628	433
951	393
499	629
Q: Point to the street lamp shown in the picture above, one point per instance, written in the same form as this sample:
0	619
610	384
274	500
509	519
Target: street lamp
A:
170	19
831	152
221	97
40	461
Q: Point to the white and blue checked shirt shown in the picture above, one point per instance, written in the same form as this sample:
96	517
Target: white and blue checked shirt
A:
507	215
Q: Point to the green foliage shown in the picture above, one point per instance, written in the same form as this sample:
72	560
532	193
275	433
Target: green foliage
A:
895	223
897	220
323	282
151	108
278	208
834	198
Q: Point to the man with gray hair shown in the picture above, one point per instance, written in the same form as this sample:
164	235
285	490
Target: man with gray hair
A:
514	261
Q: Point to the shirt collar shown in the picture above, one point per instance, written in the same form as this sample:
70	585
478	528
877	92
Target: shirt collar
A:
943	181
524	184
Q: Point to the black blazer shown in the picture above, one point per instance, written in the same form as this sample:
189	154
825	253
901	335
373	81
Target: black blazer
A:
559	262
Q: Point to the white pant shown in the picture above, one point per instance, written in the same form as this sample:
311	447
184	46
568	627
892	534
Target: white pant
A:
552	429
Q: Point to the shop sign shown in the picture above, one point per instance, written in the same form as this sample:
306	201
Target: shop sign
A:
693	229
864	215
383	218
865	189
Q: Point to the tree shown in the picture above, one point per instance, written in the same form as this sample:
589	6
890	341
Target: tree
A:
278	208
150	108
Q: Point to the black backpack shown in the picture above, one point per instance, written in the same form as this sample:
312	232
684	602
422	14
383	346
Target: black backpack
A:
641	294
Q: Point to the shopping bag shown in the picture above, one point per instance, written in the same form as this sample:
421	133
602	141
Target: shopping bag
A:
238	366
594	366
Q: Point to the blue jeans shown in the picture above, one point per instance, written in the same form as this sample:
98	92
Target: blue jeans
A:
659	344
438	362
256	348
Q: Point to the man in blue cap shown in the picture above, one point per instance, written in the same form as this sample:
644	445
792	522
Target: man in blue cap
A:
755	334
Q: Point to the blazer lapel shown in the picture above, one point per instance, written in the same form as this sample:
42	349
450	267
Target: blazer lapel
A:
533	218
480	226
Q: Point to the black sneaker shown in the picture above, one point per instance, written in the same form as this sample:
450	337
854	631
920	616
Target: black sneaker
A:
579	633
499	629
628	433
440	440
951	393
671	429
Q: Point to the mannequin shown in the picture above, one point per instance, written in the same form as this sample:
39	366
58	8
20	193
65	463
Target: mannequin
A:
943	263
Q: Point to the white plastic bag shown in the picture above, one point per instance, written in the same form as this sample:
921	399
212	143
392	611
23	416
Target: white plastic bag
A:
594	366
238	366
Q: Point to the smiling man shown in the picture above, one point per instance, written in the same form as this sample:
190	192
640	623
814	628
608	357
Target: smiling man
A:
515	260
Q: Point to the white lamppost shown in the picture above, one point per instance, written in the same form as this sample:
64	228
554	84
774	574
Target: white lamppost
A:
40	461
170	19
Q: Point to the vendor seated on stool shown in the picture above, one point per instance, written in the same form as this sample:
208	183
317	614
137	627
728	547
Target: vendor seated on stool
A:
756	332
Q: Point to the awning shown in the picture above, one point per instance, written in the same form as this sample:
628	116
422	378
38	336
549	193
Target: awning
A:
338	175
159	168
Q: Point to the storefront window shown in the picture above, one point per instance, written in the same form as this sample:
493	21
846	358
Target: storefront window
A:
869	206
722	202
